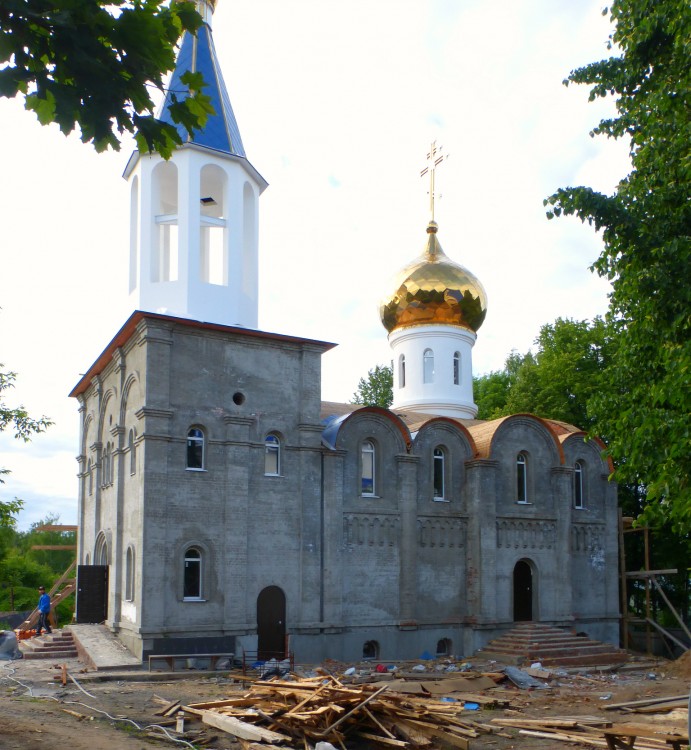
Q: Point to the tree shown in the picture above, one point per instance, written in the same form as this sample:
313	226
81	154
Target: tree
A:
644	405
23	426
377	389
491	391
92	65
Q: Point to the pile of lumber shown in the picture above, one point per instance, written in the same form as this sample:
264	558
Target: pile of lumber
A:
302	711
596	732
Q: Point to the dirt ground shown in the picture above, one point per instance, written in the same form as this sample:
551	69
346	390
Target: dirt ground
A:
37	712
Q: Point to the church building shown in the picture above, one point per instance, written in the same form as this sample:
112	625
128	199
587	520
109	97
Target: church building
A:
225	508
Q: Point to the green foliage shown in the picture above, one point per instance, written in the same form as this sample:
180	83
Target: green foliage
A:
557	381
377	389
92	65
23	426
644	404
23	569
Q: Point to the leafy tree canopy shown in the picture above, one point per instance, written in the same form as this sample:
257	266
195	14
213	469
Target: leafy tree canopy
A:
94	64
644	404
18	421
376	389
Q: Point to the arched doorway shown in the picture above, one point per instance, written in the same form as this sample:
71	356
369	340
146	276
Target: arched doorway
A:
522	591
271	623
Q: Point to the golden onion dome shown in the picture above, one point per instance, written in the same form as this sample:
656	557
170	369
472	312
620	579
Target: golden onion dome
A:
434	290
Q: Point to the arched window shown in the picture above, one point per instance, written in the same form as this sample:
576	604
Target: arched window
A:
90	478
521	478
195	449
107	467
192	581
444	647
428	366
438	473
368	461
578	475
370	650
129	575
133	452
272	455
456	368
401	371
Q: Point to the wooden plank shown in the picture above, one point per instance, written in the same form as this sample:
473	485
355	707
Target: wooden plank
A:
242	729
388	741
645	702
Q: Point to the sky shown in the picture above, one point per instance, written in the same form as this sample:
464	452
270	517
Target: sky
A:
337	105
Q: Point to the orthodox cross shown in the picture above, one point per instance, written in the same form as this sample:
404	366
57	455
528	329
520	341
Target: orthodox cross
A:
434	158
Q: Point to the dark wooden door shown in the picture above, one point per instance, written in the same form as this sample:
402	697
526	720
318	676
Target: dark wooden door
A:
271	623
92	593
522	592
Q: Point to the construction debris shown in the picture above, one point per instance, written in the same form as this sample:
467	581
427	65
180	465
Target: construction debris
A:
390	714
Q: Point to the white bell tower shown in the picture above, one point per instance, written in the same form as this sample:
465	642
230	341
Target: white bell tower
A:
194	219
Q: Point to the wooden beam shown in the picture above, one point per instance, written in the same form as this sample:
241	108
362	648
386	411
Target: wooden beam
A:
651	573
56	527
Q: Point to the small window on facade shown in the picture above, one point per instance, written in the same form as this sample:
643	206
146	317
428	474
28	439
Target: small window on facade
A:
368	461
272	455
428	366
195	449
521	478
192	582
106	466
578	484
401	371
438	473
456	368
129	575
133	453
370	650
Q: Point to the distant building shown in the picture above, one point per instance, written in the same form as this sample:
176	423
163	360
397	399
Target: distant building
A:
233	510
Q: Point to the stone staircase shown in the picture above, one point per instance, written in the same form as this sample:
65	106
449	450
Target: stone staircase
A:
57	645
531	642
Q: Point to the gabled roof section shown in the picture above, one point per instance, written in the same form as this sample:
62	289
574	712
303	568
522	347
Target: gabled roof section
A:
221	132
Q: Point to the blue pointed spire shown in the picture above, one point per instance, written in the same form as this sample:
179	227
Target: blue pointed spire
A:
221	132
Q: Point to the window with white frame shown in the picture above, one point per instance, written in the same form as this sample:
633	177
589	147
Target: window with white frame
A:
368	456
578	477
195	449
428	366
521	478
456	368
272	455
438	466
192	576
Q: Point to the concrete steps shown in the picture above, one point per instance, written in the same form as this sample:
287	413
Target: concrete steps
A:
57	645
553	647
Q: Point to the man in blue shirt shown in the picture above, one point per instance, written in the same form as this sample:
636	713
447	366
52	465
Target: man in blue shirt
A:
43	611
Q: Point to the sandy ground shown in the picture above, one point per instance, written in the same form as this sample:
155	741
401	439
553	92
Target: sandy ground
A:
37	712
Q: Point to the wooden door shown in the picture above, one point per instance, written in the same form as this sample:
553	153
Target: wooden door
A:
271	623
522	592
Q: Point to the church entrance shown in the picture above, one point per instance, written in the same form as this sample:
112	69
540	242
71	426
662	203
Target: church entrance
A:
271	623
92	593
522	591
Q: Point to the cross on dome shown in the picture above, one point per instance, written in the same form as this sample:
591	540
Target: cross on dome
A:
434	159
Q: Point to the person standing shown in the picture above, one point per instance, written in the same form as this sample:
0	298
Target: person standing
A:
43	611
